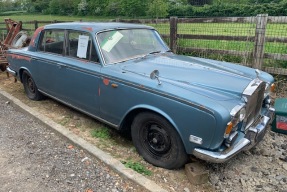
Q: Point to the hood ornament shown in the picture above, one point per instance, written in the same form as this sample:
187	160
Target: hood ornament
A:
155	75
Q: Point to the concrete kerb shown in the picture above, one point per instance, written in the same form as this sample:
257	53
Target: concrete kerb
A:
107	159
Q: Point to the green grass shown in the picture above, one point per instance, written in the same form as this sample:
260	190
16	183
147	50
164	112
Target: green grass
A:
138	167
101	132
8	13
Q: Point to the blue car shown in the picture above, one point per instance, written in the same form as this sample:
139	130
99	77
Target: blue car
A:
125	76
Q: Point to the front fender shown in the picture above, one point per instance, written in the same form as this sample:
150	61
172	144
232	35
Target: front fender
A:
184	123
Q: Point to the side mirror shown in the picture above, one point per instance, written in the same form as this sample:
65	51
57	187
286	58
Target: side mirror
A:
155	75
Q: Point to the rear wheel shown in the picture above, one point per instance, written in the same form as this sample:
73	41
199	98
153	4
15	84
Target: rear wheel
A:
30	87
157	141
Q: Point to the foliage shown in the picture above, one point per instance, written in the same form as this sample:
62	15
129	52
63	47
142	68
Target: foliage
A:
149	8
181	11
133	8
200	2
102	133
158	8
138	167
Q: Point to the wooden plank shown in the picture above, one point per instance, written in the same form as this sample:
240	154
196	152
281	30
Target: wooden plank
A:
231	38
153	21
215	51
216	37
218	20
277	19
277	71
165	36
276	39
275	56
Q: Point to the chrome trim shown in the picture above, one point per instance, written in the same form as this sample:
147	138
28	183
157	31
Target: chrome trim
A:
254	135
195	139
236	109
12	72
251	87
254	93
220	157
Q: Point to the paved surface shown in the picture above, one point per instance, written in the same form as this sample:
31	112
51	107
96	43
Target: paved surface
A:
35	158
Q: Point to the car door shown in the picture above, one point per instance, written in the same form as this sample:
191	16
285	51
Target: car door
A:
69	69
45	68
80	73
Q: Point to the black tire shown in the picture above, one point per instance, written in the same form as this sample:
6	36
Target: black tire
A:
30	87
157	141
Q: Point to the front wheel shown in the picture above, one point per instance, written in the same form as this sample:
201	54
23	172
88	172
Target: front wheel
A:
157	141
30	87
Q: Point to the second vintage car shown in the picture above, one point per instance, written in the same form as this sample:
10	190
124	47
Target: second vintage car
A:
125	76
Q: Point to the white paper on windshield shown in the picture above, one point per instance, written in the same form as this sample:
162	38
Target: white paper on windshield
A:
112	41
82	46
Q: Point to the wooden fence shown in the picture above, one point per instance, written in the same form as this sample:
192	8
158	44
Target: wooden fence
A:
258	38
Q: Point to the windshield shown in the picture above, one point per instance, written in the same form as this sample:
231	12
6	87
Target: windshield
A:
121	45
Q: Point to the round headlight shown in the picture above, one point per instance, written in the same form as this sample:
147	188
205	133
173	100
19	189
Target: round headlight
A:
242	114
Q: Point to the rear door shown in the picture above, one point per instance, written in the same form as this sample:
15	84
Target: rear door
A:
67	69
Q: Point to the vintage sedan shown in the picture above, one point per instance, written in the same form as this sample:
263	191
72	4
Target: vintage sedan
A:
125	76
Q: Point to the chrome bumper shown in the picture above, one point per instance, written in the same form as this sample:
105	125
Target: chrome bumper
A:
12	72
254	135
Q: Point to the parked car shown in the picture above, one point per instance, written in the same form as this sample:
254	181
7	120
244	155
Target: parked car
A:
125	76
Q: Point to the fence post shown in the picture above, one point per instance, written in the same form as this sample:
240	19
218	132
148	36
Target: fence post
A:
173	34
259	41
36	24
21	25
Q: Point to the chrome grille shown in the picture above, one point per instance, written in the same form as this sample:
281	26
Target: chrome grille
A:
254	104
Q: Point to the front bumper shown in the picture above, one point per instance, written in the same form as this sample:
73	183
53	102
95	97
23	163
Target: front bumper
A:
254	135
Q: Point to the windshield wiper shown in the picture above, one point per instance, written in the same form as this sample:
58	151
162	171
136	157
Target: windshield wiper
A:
151	53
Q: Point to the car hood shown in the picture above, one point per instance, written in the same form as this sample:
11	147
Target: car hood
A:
202	76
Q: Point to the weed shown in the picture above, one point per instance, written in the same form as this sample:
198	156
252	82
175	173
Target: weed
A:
101	132
64	121
138	167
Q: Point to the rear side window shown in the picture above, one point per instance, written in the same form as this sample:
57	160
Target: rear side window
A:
53	41
80	45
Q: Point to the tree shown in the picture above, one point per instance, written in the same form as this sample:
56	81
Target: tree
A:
178	2
113	8
158	8
133	8
40	5
7	5
97	7
83	7
66	7
200	2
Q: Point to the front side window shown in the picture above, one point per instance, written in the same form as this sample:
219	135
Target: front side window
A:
80	45
53	41
122	45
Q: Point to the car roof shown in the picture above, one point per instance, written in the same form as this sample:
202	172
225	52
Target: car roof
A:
95	26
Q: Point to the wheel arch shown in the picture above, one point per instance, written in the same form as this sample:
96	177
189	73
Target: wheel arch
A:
125	124
21	71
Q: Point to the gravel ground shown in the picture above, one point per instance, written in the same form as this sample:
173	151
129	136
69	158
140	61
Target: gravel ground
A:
263	168
33	158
